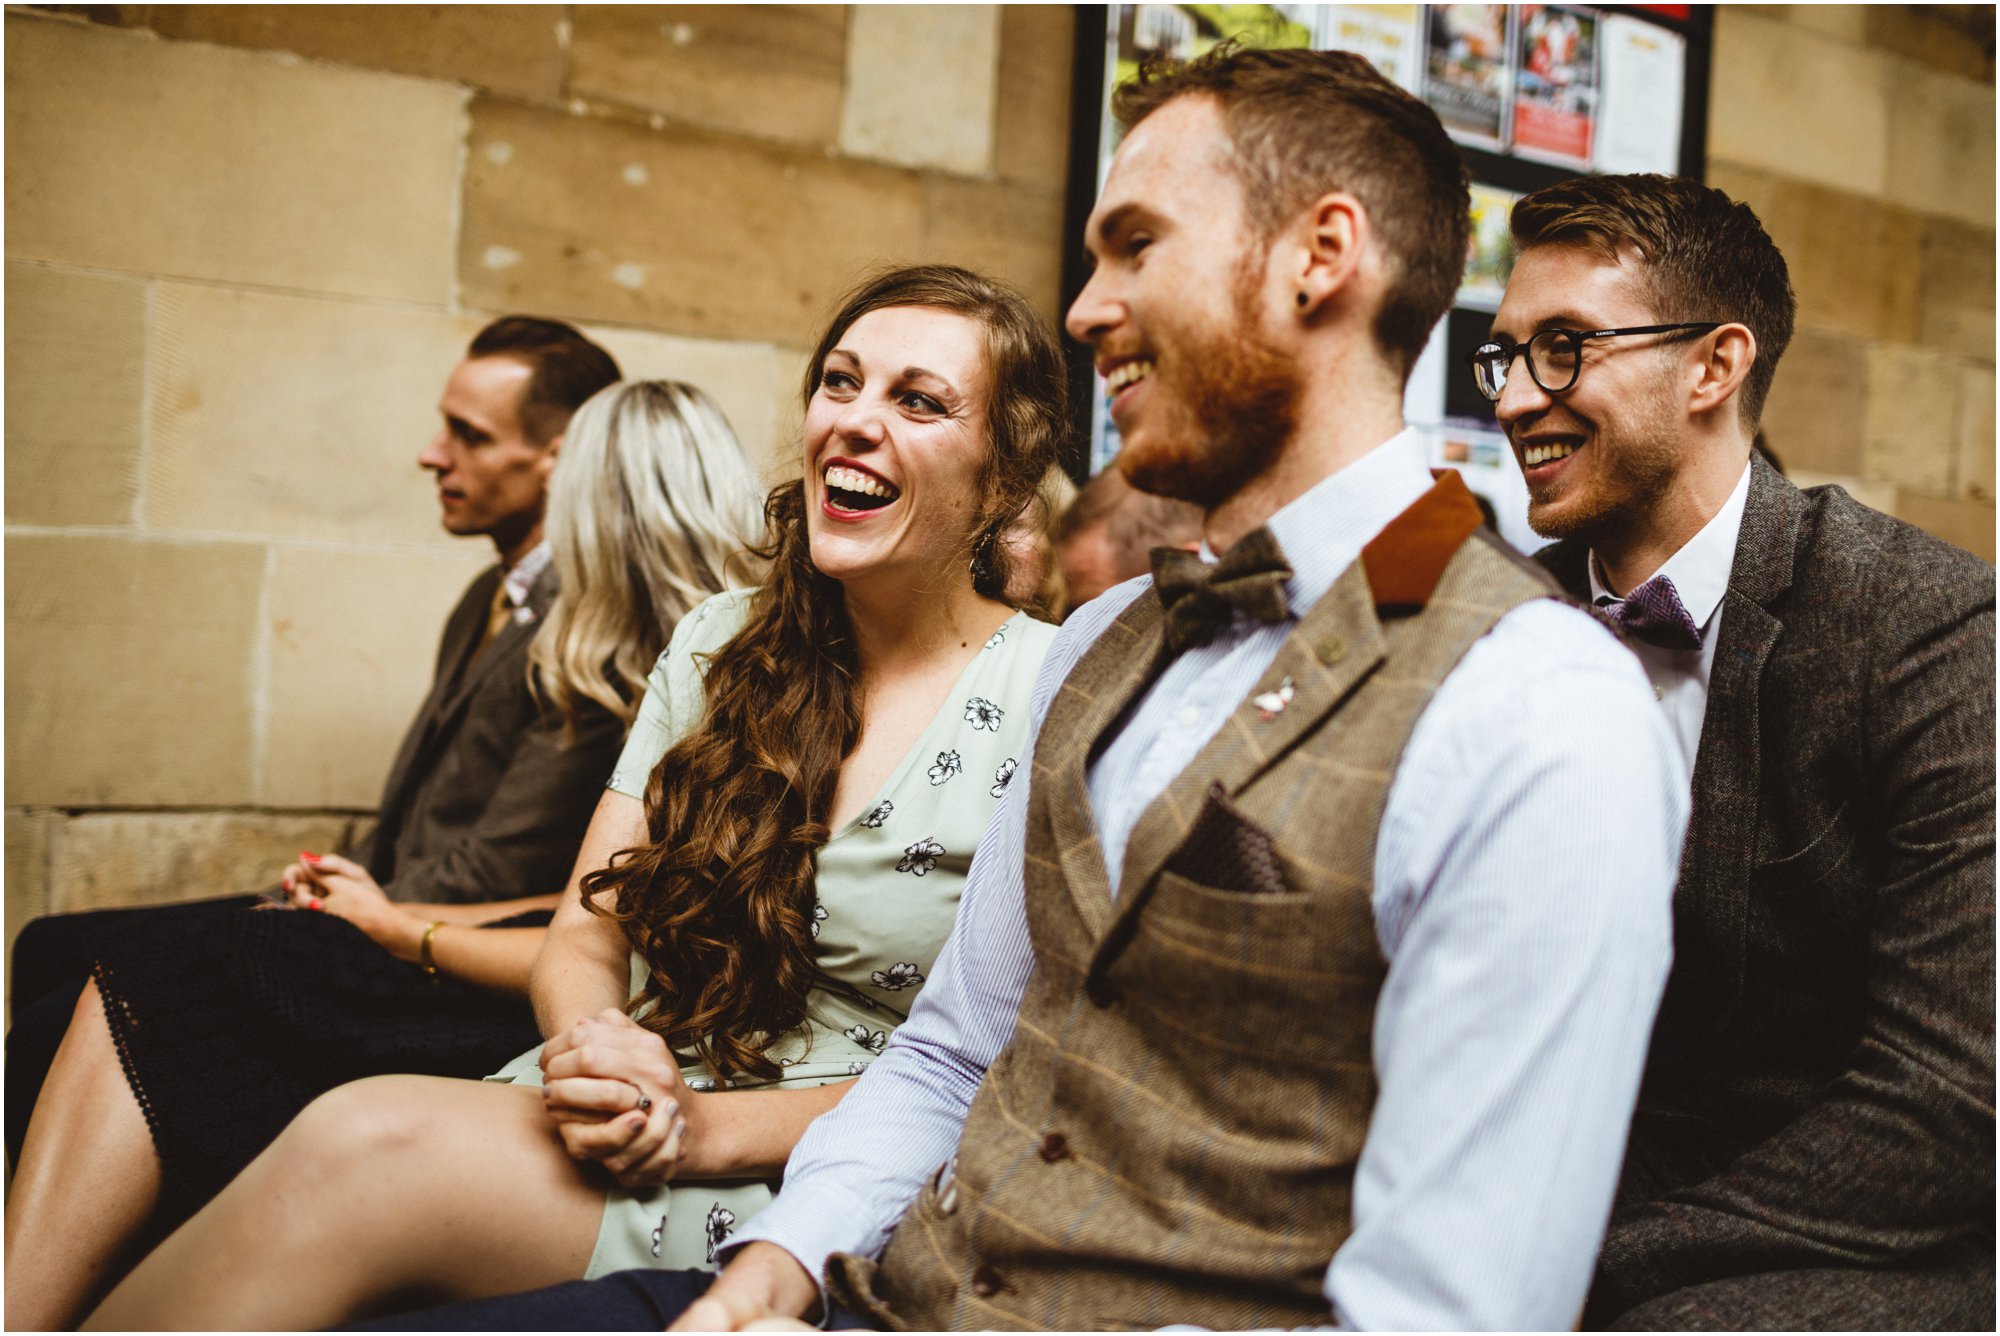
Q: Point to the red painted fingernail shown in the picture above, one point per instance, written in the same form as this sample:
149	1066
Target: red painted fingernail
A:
314	904
308	858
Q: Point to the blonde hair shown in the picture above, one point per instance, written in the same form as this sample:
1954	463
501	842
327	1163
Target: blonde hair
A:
651	509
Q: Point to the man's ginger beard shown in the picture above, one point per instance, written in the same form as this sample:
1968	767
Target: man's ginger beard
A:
1236	404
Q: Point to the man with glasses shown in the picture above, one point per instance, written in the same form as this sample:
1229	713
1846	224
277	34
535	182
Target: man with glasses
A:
1813	1146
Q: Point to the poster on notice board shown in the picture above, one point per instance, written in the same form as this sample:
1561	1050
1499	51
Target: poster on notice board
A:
1388	37
1555	90
1467	71
1639	113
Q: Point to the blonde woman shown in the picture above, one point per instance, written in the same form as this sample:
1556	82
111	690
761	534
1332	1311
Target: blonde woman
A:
207	1027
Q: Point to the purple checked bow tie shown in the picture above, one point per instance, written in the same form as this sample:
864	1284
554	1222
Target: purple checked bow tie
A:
1653	613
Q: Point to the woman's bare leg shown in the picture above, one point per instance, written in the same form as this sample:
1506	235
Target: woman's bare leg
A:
87	1182
387	1193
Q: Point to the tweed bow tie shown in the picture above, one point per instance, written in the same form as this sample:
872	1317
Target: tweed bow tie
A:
1653	613
1200	598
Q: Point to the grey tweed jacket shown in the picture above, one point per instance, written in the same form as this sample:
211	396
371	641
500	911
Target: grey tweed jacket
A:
1820	1088
487	800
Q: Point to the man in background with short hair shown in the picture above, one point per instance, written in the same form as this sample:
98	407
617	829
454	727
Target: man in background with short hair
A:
1813	1147
1108	534
486	801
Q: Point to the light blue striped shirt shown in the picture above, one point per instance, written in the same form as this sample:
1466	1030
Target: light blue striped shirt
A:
1523	877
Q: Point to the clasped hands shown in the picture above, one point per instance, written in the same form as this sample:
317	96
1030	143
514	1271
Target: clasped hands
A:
615	1094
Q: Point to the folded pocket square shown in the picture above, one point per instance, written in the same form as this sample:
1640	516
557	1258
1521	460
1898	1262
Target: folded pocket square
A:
1228	851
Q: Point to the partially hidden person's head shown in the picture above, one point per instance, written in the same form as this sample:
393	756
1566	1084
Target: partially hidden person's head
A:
505	409
1634	348
934	406
652	509
1028	549
1272	220
1108	534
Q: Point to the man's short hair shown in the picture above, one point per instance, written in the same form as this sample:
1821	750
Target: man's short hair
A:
1304	123
1135	522
1704	256
566	368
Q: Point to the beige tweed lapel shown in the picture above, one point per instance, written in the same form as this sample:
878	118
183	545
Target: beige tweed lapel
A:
1098	689
1336	645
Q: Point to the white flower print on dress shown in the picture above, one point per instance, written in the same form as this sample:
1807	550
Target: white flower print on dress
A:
819	917
701	1083
993	641
659	1233
947	765
897	977
920	857
872	1040
983	714
1003	776
856	1067
721	1224
875	818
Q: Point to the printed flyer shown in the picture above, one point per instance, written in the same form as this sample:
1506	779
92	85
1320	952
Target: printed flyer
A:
1388	37
1639	123
1466	72
1555	92
1489	259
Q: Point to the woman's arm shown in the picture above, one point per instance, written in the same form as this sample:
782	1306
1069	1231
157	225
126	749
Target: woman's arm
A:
750	1133
584	964
472	915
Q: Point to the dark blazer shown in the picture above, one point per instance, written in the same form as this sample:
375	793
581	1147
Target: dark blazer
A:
1820	1088
485	800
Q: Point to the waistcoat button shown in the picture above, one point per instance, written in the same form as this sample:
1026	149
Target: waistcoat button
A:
1102	992
1055	1148
987	1281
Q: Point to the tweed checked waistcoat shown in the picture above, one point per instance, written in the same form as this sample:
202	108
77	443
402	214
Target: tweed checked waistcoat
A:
1171	1134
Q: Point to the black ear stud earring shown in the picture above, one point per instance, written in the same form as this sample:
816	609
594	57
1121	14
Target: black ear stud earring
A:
1302	299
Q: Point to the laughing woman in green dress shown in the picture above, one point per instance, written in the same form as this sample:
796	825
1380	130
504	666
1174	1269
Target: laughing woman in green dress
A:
761	894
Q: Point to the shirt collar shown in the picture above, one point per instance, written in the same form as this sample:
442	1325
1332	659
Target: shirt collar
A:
1700	570
1324	529
518	581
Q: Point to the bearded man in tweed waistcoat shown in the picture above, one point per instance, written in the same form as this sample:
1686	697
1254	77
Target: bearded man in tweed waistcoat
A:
1813	1147
1306	971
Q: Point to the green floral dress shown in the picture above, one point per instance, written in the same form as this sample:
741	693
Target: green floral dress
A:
886	892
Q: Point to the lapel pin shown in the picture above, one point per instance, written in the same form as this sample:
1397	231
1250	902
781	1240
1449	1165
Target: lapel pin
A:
1272	703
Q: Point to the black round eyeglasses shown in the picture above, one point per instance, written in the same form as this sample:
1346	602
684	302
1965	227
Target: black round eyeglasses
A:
1555	356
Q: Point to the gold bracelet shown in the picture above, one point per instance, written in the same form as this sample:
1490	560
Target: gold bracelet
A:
424	951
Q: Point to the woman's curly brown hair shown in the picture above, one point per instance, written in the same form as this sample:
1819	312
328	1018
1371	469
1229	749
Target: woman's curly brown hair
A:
719	901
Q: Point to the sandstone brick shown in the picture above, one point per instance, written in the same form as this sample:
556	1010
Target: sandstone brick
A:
755	384
129	669
773	71
1964	523
1911	433
1875	495
295	417
349	665
110	16
1799	102
1959	43
921	82
1031	124
1941	144
1814	416
76	352
1853	261
27	869
1848	22
109	860
722	238
1011	232
1976	434
126	152
513	49
1956	293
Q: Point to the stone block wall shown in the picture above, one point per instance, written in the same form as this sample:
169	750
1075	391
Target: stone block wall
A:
1863	137
246	243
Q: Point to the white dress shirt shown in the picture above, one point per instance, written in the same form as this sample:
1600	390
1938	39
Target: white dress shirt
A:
1523	877
1700	575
